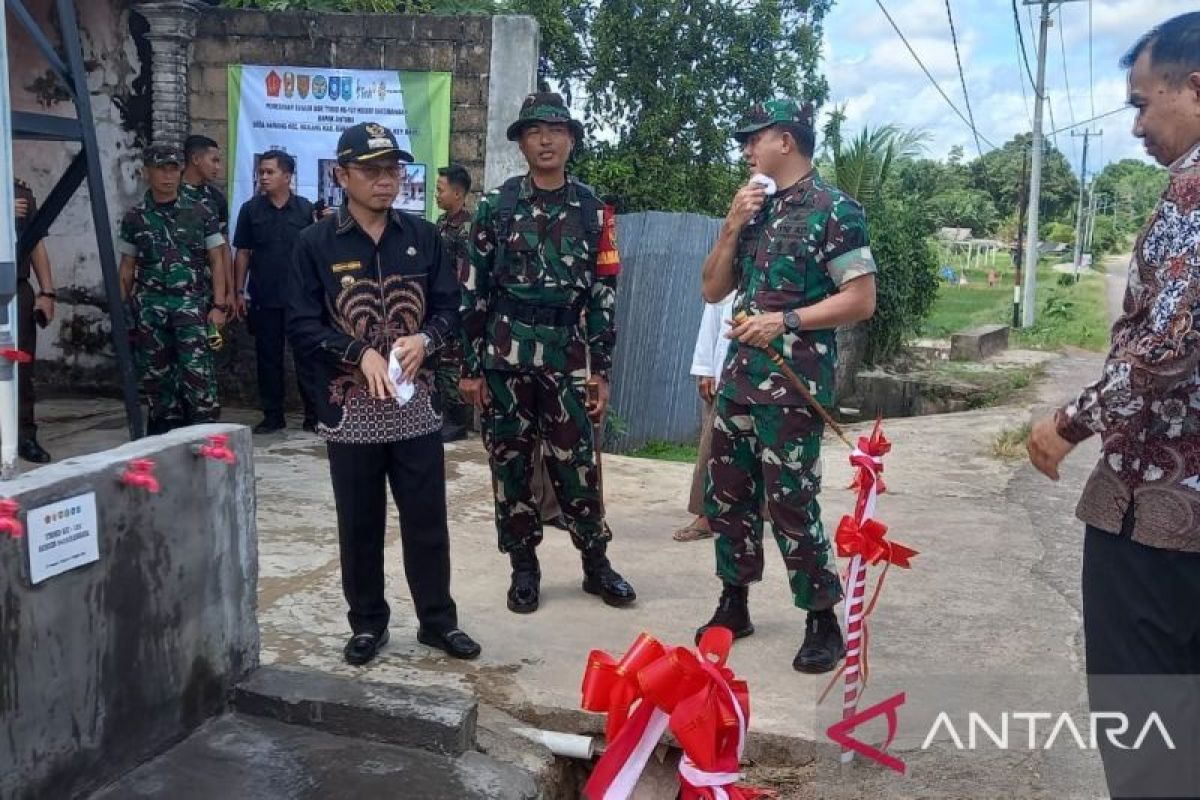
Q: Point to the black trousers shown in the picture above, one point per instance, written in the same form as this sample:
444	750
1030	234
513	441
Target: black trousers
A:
415	470
268	327
1141	619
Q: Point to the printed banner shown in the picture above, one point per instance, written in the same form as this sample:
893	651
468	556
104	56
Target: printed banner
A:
302	110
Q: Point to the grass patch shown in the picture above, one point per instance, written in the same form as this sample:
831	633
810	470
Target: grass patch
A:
667	451
1075	314
1009	444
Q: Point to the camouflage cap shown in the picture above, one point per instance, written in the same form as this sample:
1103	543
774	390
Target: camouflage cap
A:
544	107
764	115
159	155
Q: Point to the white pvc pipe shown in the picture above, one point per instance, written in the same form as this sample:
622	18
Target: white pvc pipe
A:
569	745
8	253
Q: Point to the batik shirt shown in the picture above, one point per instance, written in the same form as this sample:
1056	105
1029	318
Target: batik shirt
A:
1146	405
807	242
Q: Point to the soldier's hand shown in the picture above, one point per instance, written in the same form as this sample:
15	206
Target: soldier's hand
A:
1046	448
375	369
411	352
474	391
45	305
21	207
746	203
598	398
707	387
759	330
217	317
239	307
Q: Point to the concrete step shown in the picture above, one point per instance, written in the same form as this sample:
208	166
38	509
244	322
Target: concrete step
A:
252	758
435	719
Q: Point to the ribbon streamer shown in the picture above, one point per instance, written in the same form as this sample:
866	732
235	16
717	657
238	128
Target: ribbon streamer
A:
654	688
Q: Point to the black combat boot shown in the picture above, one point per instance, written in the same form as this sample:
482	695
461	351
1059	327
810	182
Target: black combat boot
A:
823	647
526	581
600	578
733	612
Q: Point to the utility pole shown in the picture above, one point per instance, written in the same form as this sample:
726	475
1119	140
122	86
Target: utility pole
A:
1091	227
1035	177
1017	261
1080	217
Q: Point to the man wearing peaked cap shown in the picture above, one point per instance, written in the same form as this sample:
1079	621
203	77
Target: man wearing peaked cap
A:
372	296
166	243
795	250
539	329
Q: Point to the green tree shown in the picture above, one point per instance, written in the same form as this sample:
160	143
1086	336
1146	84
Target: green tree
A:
1131	189
900	230
998	172
662	84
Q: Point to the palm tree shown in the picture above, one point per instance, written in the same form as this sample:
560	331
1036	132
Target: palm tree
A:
862	165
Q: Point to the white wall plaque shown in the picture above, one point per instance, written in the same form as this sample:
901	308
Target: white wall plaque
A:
62	536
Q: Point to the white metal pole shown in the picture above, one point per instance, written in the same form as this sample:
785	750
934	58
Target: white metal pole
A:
1029	299
8	271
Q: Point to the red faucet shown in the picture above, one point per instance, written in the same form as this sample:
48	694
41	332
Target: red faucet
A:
16	356
8	519
217	449
140	475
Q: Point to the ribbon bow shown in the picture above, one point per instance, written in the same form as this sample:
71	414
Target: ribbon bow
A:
691	692
868	540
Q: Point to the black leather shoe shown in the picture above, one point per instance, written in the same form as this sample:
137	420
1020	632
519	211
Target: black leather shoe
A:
733	612
600	578
453	433
269	425
363	647
30	450
823	647
454	642
310	424
525	589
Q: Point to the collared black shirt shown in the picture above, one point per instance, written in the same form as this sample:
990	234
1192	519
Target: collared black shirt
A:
347	294
270	232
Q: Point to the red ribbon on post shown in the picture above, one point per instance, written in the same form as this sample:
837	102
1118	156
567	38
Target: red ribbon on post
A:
691	692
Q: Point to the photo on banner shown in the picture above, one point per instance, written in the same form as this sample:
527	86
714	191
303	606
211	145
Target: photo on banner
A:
303	110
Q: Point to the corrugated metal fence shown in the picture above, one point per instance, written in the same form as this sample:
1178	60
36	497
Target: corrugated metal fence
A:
658	314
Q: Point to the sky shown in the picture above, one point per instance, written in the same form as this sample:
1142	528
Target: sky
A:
872	73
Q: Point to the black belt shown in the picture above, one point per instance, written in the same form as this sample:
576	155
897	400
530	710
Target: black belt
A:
532	314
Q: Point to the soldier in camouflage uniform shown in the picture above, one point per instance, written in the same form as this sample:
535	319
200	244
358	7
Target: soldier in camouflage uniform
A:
798	257
538	312
202	166
453	184
163	244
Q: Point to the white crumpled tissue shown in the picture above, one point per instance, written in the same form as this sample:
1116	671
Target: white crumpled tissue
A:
404	388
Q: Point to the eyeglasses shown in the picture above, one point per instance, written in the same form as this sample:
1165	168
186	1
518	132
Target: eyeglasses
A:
374	172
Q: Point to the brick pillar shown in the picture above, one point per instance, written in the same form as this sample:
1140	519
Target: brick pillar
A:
172	28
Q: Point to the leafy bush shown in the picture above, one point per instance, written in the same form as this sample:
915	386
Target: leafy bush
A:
907	282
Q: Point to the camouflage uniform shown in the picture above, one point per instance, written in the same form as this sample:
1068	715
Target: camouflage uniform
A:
213	199
807	242
524	323
171	299
454	228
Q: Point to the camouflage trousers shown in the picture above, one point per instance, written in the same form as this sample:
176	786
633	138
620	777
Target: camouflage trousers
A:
532	410
773	453
173	359
446	373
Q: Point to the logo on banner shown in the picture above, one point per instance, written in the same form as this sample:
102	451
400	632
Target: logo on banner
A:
274	83
302	86
289	84
335	87
318	87
381	91
347	88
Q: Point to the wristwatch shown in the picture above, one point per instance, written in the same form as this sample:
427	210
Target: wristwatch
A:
791	321
222	307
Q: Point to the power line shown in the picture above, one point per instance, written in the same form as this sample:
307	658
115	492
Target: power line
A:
1088	121
1066	78
963	79
933	81
1021	41
1091	63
